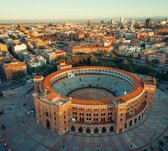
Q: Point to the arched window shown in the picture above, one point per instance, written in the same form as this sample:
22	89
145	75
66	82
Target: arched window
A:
88	130
125	125
96	130
111	129
80	130
47	114
48	124
103	130
72	128
130	123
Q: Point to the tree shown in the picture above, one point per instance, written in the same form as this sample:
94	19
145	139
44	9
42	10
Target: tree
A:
143	70
131	56
113	56
124	66
155	61
3	127
1	95
19	75
104	53
118	60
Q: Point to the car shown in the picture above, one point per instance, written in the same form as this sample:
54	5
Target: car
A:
32	110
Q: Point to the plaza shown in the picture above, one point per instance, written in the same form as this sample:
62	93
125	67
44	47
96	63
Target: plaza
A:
23	133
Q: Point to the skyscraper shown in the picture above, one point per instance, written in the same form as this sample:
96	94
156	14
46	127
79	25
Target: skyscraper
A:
112	22
131	23
122	20
88	22
148	23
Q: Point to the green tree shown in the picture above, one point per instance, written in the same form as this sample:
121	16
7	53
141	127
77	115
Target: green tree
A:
155	61
143	70
19	75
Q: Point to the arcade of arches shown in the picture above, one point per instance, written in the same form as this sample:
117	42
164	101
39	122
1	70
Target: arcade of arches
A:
103	129
92	129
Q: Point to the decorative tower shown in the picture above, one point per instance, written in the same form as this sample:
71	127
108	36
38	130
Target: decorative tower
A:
36	95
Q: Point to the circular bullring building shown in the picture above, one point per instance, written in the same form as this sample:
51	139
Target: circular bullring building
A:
91	99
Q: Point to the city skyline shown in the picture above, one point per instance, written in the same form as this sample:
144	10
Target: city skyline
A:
74	9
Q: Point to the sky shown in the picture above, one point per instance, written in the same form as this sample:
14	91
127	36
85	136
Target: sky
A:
80	9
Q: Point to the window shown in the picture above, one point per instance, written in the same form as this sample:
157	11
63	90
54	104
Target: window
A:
47	114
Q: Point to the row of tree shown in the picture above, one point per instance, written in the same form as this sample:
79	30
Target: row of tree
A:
78	60
81	59
44	70
19	75
128	65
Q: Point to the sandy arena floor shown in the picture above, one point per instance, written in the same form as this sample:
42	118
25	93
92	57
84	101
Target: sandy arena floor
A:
91	94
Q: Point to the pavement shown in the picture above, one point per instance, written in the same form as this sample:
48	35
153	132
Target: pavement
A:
22	133
11	85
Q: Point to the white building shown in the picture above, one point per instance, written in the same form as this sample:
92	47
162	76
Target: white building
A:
122	20
19	48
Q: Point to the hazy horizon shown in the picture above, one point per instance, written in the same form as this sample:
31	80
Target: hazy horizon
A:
76	9
94	20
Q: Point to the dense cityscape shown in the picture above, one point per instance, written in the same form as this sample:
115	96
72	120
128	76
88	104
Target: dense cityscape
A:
39	48
84	84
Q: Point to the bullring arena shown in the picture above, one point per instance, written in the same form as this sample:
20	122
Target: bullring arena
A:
91	99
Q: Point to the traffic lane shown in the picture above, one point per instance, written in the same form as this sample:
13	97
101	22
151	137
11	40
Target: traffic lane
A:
13	85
